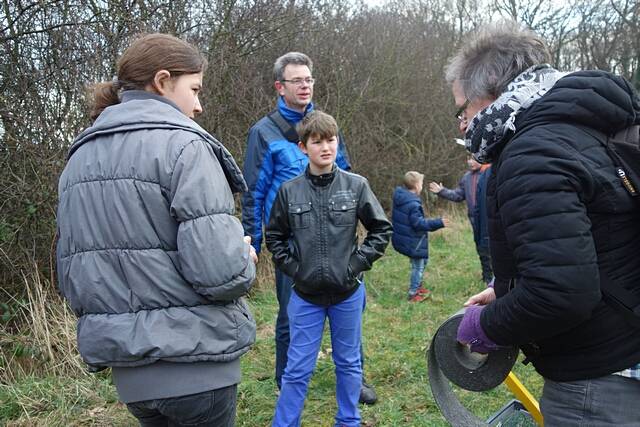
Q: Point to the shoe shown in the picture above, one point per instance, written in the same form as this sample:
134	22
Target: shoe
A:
424	291
417	298
367	395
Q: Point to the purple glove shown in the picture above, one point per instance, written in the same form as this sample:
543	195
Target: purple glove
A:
470	332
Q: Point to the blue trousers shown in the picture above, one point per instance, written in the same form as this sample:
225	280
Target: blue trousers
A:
284	284
417	270
611	400
306	323
283	292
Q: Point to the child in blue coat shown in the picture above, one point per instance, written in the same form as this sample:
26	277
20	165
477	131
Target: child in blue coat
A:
410	229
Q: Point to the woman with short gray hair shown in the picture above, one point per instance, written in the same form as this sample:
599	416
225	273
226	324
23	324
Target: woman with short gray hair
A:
559	220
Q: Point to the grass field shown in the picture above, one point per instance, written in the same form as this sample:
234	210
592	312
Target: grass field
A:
36	390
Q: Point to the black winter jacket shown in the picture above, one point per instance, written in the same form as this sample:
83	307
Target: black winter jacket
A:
312	233
556	211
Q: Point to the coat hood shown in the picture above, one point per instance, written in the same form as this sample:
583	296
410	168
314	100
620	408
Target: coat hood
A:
149	112
402	196
596	99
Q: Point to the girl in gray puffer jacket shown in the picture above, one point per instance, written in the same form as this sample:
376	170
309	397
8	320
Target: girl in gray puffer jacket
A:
150	255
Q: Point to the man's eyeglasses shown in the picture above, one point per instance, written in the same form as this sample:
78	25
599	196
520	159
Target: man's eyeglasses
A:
460	111
299	82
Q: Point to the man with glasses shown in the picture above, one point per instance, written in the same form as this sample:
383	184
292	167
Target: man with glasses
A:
273	157
563	224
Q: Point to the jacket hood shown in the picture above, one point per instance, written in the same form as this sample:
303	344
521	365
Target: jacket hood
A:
542	95
597	99
402	196
148	112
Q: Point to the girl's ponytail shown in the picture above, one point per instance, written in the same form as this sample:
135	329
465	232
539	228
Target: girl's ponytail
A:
104	95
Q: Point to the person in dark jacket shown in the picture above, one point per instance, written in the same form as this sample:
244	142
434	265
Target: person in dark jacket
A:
481	228
273	157
471	189
411	231
559	219
312	236
150	256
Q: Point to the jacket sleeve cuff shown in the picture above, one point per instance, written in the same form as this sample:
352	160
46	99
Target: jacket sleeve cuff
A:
358	264
290	269
470	331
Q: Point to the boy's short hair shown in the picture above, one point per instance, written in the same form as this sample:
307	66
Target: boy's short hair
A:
317	123
411	179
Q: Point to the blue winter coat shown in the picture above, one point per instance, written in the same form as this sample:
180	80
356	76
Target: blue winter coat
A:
271	160
480	224
410	227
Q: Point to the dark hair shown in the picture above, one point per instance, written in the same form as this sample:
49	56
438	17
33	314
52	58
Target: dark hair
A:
140	62
317	123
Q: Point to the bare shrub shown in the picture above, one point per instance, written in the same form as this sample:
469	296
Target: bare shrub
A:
41	338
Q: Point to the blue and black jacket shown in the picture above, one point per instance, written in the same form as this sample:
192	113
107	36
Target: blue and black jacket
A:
271	160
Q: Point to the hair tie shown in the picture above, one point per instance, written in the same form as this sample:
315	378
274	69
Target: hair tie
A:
117	83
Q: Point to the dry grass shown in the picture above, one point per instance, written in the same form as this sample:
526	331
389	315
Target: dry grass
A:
43	381
39	337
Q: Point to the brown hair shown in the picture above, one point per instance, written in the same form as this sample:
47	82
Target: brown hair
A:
411	179
317	123
140	62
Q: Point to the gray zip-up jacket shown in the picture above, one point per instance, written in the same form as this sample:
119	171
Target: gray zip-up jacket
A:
150	255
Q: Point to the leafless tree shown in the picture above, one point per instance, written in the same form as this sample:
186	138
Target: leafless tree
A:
379	72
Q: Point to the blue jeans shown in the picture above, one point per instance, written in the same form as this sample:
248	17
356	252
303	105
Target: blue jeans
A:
611	400
417	269
283	292
211	408
284	284
306	322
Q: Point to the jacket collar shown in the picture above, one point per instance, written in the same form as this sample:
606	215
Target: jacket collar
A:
291	115
321	180
139	95
402	196
146	111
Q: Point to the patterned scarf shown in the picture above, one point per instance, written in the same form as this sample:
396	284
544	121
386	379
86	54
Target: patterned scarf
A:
491	125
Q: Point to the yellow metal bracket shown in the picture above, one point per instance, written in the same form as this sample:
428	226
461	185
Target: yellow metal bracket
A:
523	395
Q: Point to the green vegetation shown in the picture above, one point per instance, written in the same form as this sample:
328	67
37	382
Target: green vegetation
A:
46	385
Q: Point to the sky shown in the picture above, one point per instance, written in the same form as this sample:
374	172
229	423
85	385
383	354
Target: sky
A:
373	3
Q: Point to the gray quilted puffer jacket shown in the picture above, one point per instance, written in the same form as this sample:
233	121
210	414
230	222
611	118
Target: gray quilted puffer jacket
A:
150	255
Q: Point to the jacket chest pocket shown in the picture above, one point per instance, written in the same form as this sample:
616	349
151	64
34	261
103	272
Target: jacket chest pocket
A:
343	213
299	215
